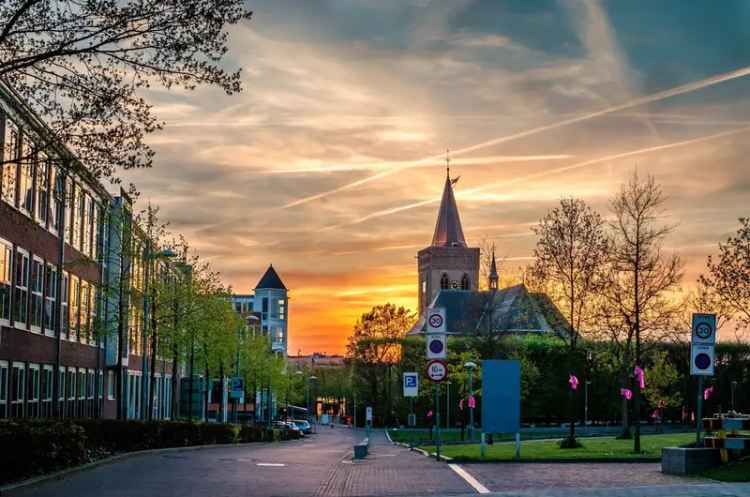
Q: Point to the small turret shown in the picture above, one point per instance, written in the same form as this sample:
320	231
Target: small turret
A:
493	278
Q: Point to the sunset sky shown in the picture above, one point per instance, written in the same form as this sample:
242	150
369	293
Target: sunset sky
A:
330	164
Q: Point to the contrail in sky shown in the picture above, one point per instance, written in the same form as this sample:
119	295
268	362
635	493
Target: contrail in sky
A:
541	174
655	97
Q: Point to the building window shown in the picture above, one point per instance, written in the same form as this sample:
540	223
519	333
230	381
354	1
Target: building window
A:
64	307
69	209
3	389
74	300
85	226
21	296
56	202
264	308
42	189
37	291
444	282
83	309
282	309
50	295
46	388
32	399
6	262
10	162
18	389
94	229
110	385
465	282
26	178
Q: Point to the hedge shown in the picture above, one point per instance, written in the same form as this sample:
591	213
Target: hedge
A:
42	446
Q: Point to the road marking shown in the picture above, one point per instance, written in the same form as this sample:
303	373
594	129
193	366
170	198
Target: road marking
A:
481	489
271	464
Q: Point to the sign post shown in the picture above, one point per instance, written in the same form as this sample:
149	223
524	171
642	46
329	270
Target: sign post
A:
702	356
368	419
437	371
411	390
436	351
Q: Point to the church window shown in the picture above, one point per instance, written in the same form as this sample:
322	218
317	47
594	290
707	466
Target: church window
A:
444	283
465	282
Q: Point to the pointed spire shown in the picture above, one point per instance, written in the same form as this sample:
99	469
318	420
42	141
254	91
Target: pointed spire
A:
493	277
448	231
270	279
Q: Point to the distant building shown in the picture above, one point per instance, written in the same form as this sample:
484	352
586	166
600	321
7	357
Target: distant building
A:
268	309
316	360
449	277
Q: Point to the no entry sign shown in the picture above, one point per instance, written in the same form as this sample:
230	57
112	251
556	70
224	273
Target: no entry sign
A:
437	370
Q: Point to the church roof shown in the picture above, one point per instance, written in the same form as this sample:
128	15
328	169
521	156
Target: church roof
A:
448	232
271	279
508	310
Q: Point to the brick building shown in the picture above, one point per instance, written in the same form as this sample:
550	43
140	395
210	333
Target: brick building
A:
59	322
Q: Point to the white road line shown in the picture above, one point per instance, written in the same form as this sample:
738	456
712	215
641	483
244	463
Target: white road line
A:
271	464
481	489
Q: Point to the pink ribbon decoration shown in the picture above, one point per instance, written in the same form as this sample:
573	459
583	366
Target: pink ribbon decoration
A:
627	393
708	392
461	404
472	402
641	375
429	414
573	382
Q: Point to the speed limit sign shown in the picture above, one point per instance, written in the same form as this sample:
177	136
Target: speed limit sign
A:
437	370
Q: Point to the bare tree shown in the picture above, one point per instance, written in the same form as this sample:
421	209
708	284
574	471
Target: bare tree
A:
641	278
571	251
83	66
728	277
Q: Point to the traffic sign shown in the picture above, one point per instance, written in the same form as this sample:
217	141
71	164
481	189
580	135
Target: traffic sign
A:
436	320
437	346
236	387
411	384
368	414
702	360
704	329
437	370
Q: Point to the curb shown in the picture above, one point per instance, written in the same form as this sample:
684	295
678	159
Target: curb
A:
8	490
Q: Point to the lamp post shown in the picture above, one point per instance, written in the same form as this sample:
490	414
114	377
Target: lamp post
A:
148	257
471	366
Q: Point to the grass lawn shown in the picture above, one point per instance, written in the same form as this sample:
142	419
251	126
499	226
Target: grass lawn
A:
732	472
599	448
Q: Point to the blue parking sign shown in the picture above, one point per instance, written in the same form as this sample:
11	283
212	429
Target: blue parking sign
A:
411	384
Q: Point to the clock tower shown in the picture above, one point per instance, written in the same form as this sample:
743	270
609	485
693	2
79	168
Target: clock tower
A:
448	263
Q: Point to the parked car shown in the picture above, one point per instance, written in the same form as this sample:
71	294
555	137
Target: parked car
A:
304	425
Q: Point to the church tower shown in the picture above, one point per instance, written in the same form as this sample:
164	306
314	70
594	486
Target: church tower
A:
447	263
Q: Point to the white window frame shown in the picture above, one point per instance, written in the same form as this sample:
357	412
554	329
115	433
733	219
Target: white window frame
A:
21	325
61	372
50	298
42	163
50	393
22	367
4	244
73	395
5	389
34	396
26	164
64	305
111	380
40	293
90	384
10	161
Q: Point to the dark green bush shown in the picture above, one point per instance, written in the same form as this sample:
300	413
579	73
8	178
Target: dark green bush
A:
218	433
33	447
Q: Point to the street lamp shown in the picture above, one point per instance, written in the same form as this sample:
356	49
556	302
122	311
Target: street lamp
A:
471	366
149	256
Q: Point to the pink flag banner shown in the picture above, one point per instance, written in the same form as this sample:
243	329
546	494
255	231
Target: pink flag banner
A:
461	404
708	392
472	402
640	376
627	393
573	382
429	414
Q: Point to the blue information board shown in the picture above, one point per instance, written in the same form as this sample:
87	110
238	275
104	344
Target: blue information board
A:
501	396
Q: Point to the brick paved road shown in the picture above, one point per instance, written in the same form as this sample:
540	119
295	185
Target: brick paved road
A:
318	465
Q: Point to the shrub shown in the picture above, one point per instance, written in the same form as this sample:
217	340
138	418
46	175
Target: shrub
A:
218	433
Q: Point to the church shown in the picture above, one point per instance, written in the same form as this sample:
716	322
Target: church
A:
448	272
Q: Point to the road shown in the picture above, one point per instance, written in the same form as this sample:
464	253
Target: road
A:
321	466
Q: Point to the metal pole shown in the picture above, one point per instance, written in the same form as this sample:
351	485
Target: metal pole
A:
437	421
734	387
699	412
586	403
447	405
471	408
144	339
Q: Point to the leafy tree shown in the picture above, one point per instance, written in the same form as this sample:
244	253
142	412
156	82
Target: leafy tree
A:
85	66
571	251
641	280
729	276
662	390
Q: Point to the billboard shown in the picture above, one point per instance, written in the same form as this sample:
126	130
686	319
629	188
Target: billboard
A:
501	396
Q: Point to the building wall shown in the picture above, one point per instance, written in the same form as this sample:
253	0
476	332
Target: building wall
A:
273	306
455	262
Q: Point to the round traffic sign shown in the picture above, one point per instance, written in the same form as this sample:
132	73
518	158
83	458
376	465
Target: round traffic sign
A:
704	330
436	320
702	361
436	346
437	370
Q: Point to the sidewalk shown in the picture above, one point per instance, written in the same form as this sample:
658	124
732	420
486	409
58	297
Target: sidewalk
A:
695	490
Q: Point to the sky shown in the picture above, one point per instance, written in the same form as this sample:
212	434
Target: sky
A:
330	164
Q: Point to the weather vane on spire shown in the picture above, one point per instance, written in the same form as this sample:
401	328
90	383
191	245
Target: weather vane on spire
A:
448	162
